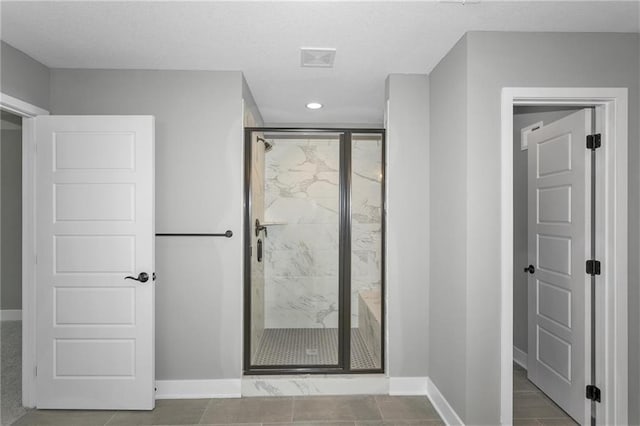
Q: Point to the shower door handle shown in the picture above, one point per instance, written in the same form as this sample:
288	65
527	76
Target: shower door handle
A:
260	228
259	250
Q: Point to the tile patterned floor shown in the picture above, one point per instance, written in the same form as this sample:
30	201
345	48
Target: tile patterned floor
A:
531	407
307	411
288	346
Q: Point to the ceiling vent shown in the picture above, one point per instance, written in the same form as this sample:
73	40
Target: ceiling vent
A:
317	57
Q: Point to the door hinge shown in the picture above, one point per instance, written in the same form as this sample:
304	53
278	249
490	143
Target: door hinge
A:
593	393
593	267
594	141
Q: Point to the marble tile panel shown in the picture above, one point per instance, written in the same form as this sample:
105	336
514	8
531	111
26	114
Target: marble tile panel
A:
316	384
300	210
302	236
301	262
300	302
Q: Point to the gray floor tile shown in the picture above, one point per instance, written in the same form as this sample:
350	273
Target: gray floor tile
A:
221	411
167	412
265	410
65	418
311	424
234	424
567	421
330	408
534	405
406	408
525	422
248	410
403	423
522	384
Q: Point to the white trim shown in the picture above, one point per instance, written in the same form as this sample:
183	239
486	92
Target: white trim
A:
611	300
306	385
442	406
27	112
18	107
408	385
520	357
197	389
10	314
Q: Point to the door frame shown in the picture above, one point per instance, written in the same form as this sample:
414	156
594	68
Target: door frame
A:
27	111
344	264
611	220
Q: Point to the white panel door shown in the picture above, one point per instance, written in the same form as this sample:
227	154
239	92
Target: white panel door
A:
559	244
94	228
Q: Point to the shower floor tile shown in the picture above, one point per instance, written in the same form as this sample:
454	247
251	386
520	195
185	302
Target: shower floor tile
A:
310	346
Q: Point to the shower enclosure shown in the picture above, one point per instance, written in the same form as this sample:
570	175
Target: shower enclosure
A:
314	251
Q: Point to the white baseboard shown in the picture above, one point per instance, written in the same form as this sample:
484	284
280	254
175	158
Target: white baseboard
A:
407	386
520	357
197	389
10	314
447	413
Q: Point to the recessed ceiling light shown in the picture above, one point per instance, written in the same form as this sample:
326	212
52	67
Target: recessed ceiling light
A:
314	105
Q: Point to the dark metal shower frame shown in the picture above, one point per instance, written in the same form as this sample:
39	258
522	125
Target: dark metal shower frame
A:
344	256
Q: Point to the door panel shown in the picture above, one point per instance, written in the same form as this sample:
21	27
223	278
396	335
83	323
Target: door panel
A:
559	244
94	227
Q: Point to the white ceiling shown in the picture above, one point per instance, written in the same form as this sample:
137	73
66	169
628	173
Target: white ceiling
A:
262	39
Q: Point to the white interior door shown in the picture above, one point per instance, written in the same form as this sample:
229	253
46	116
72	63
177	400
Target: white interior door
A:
559	244
95	227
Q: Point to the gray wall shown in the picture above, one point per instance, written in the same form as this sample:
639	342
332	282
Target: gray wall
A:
524	116
448	275
252	116
23	77
199	159
407	232
11	211
496	60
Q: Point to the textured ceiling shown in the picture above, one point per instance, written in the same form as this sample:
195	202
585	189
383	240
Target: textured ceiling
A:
262	39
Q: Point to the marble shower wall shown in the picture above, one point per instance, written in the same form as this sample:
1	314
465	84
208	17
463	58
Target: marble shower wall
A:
366	223
301	250
301	268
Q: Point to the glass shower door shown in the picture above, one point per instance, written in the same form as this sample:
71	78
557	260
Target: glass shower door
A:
295	230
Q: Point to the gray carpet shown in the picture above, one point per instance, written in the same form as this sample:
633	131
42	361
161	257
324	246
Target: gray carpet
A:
11	371
310	346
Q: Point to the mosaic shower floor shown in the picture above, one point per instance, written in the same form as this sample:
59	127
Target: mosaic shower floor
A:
310	346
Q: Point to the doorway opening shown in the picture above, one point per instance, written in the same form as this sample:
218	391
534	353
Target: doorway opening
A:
26	367
314	244
11	265
556	207
609	371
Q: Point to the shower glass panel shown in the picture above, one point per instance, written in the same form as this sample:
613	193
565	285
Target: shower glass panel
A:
295	233
366	250
314	251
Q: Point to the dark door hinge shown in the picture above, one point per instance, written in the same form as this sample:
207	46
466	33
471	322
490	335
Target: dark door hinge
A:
594	141
593	393
593	267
